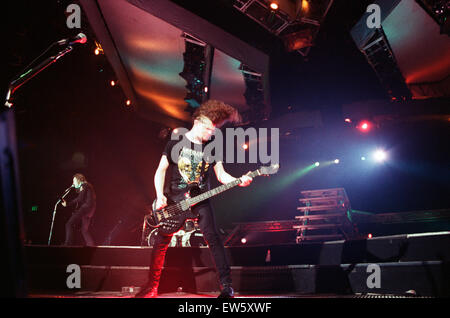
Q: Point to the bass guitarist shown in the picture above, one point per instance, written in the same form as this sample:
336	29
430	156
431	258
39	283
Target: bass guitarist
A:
186	167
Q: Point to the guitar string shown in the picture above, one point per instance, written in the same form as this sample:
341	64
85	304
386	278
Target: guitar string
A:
173	208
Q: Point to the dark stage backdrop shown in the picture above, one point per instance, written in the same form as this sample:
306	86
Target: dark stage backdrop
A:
69	119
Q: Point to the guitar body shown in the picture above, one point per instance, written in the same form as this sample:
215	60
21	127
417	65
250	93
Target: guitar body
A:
171	218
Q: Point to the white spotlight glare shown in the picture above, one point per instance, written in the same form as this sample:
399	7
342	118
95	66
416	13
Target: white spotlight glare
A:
317	164
336	161
380	155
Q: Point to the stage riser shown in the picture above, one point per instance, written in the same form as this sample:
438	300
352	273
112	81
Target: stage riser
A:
426	278
433	248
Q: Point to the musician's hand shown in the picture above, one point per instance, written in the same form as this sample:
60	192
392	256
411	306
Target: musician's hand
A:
64	203
246	180
161	202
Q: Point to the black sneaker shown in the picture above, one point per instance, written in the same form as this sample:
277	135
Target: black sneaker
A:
227	292
147	293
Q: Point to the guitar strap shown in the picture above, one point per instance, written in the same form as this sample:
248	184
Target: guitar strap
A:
202	170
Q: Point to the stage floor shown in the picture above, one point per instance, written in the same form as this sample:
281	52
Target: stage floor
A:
115	294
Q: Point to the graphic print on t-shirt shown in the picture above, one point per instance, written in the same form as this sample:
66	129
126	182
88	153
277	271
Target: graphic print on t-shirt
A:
190	167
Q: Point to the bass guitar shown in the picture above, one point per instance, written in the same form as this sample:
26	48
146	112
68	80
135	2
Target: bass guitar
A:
171	218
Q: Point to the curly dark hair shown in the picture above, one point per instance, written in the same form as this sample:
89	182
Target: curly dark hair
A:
218	112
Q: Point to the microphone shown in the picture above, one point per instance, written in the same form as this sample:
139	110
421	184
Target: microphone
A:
79	38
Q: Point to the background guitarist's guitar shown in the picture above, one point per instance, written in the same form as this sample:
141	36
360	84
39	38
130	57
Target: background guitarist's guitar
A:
171	218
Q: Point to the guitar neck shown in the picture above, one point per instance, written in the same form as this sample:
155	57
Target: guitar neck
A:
219	189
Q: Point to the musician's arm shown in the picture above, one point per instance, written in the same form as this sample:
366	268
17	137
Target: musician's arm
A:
224	177
160	175
221	175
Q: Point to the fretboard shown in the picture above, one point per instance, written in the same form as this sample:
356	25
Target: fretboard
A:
219	189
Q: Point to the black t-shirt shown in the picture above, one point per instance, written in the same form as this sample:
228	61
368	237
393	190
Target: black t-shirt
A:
86	199
188	163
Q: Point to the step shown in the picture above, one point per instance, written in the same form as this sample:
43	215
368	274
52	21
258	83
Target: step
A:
338	197
317	226
323	192
320	216
321	207
320	237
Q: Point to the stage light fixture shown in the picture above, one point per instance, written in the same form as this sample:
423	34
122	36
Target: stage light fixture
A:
369	235
113	83
274	6
243	240
317	163
363	158
336	161
128	102
245	146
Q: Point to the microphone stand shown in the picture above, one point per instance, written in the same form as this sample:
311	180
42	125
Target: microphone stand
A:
32	72
54	213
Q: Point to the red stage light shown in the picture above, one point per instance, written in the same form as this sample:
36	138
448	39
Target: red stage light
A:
245	146
348	120
243	240
364	126
369	235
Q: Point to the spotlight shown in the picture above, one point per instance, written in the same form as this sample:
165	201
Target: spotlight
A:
336	161
175	131
205	89
363	158
98	49
380	155
274	6
243	240
369	235
348	120
128	102
364	126
305	5
113	83
317	164
245	146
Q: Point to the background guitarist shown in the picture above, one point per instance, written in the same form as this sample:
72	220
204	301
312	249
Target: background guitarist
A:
191	166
